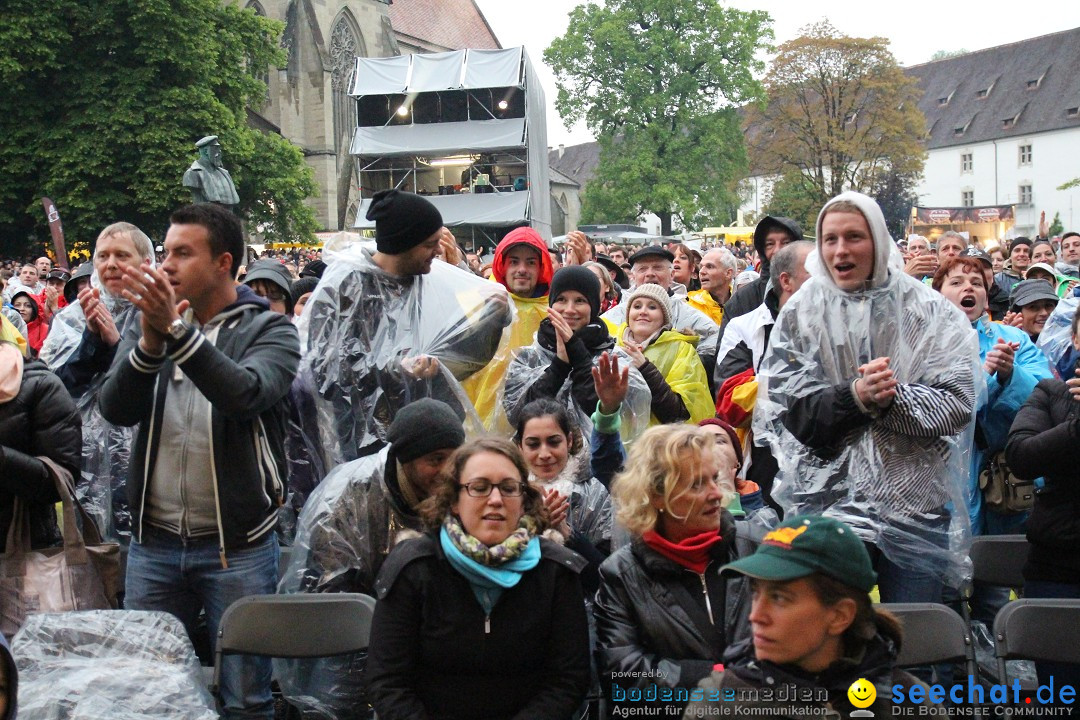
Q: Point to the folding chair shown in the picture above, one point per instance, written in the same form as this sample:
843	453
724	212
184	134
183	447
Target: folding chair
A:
1037	629
999	559
933	633
305	625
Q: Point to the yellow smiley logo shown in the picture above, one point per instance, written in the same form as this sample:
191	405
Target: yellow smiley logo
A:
862	693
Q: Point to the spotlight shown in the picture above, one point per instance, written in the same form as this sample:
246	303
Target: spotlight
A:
503	104
403	111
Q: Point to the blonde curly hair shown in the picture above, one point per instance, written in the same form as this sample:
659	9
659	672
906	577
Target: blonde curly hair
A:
654	467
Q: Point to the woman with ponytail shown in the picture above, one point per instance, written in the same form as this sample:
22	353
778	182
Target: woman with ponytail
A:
815	630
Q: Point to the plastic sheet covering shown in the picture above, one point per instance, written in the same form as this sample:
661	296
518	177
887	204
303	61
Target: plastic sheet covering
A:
109	665
590	504
498	209
485	387
368	329
895	479
344	534
1055	340
106	448
439	139
529	363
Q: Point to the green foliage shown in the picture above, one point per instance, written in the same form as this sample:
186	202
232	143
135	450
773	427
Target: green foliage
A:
794	196
105	102
895	193
1075	182
840	111
945	54
655	80
1056	227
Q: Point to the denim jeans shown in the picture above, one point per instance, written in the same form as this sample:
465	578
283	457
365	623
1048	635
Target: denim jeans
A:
1064	673
167	573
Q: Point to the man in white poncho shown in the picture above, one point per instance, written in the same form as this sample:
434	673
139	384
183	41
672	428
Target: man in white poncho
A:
866	398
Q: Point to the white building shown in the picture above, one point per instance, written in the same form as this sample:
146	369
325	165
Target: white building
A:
1004	129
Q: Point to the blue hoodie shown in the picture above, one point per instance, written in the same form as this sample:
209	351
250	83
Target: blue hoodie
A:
995	417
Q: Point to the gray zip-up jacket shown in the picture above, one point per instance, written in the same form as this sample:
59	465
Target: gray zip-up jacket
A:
245	374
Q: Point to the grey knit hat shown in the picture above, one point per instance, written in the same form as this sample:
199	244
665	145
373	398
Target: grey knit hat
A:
653	292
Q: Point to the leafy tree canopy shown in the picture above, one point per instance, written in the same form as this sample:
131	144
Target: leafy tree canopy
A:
105	102
840	112
655	80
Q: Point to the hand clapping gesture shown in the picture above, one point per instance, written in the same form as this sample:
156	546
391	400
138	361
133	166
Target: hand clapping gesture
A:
610	382
98	318
877	386
563	333
1000	359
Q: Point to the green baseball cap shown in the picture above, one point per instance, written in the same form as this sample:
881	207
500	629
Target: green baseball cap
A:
804	545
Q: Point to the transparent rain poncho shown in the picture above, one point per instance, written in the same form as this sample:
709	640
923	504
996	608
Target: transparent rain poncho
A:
109	664
1055	340
369	328
898	479
106	449
590	504
346	530
529	364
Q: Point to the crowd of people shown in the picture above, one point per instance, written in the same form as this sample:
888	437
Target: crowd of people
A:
566	474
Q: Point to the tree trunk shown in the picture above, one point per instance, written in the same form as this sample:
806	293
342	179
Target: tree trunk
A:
665	222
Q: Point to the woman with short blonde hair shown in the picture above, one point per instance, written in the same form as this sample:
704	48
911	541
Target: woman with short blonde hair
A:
664	615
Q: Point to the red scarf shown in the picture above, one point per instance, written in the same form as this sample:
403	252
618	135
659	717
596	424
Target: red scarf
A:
692	553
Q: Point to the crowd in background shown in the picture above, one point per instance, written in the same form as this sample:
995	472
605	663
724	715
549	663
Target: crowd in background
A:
564	472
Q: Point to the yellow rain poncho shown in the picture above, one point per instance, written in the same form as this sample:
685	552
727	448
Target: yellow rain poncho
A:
675	356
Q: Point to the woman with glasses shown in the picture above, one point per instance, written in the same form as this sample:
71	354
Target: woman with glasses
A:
664	615
480	617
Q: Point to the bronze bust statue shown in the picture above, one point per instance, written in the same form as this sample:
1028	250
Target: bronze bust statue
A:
207	179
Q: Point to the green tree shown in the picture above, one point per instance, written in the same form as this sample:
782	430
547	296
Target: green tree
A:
656	81
104	102
945	54
793	196
1056	227
840	112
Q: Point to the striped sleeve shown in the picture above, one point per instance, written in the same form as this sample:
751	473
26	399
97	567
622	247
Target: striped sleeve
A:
930	412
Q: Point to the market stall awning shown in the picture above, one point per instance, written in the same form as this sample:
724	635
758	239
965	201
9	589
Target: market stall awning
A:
495	209
439	138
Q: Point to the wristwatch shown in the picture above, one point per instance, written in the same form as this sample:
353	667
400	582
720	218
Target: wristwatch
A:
177	329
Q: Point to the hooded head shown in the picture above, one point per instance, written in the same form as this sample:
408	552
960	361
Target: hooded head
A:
581	279
29	301
767	225
840	258
524	237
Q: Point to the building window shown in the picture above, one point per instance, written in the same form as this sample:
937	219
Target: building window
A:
982	93
1025	195
1025	154
346	44
1072	112
967	198
966	162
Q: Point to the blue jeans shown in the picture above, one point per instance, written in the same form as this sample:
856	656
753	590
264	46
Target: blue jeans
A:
1064	673
167	573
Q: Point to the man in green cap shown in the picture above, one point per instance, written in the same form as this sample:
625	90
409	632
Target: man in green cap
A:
815	631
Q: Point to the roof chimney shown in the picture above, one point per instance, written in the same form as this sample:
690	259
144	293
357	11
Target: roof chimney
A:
562	149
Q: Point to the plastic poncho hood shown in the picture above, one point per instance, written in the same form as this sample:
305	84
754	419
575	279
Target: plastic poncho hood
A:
894	478
675	356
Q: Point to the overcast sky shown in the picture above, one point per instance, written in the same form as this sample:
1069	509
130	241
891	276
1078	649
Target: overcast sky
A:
916	29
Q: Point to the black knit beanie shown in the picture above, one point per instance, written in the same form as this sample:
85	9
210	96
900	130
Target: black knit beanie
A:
422	427
582	279
304	285
402	220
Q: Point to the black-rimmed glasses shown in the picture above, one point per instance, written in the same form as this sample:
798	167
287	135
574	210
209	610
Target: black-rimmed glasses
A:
483	488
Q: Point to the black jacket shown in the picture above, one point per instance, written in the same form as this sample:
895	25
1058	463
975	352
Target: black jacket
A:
652	623
750	296
430	656
40	421
246	376
1043	442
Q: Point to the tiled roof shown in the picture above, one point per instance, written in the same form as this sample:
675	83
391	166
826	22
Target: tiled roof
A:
1017	89
443	24
578	162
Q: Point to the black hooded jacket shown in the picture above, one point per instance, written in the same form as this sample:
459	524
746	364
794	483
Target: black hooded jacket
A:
748	297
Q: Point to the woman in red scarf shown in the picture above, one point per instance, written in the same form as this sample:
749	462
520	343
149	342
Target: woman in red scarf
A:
664	615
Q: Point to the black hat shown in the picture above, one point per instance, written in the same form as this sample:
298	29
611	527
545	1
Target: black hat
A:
771	222
1019	241
422	427
976	252
314	269
58	274
1026	292
83	271
620	274
402	220
303	285
274	272
651	251
582	279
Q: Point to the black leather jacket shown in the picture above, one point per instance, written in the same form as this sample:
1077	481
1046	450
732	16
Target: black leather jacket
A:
652	621
40	421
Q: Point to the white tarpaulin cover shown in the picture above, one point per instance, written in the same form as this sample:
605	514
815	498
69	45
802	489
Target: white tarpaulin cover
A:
456	70
497	209
439	138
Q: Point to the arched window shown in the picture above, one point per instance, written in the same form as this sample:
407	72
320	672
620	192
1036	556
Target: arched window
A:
346	43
